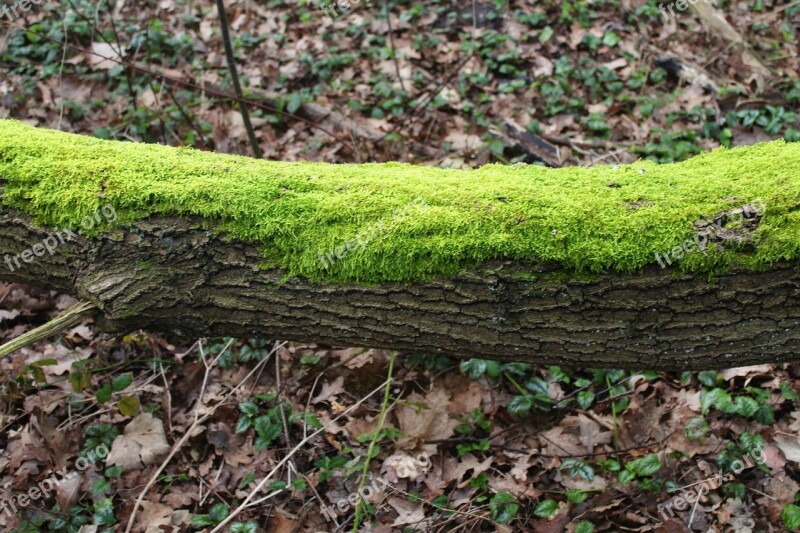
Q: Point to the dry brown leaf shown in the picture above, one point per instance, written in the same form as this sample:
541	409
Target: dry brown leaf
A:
182	496
152	516
48	400
407	512
590	434
141	445
425	418
105	56
280	523
455	468
68	490
329	389
789	445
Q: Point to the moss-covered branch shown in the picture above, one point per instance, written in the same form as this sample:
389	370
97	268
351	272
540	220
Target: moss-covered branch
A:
517	263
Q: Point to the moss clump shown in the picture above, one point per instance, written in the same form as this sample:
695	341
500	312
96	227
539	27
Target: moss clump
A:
300	212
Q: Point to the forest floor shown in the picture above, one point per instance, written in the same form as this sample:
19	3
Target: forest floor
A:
254	435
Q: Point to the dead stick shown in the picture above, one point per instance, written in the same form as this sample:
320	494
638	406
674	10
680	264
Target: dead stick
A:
71	317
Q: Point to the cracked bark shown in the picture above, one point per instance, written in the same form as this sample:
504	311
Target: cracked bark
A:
169	275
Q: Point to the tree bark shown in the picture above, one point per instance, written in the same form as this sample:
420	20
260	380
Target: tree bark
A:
166	275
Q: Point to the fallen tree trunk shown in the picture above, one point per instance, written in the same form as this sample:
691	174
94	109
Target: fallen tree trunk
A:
516	263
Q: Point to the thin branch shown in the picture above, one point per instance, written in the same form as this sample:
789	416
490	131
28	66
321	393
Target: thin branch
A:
391	43
71	317
226	40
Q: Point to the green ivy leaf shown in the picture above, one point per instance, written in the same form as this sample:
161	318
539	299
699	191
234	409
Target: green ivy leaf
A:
645	466
295	101
791	517
696	428
103	393
473	368
520	405
708	378
578	468
626	475
100	487
750	441
114	471
80	380
765	415
558	374
247	527
577	496
243	424
219	512
493	368
787	392
104	513
734	490
278	485
746	406
122	382
584	527
201	520
610	39
609	465
503	507
714	397
249	408
585	398
546	508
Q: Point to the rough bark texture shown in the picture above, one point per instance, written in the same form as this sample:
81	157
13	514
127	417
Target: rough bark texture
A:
168	275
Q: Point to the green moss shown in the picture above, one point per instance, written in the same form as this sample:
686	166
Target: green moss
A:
298	211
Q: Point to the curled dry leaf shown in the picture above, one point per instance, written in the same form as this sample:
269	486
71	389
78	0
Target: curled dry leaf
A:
141	445
404	466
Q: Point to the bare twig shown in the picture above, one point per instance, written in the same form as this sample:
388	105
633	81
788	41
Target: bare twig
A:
71	317
391	43
226	40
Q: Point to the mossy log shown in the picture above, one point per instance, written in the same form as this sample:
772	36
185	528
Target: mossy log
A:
559	266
